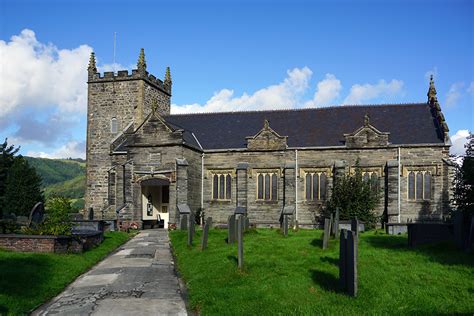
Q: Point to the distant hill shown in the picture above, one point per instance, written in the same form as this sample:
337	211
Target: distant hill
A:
54	171
64	177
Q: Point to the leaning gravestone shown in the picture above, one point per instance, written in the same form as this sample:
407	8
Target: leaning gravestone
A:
348	251
36	215
335	227
231	231
247	223
327	232
355	226
183	222
205	233
240	241
191	230
184	211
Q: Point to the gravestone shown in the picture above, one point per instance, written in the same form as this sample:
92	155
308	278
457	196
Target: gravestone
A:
240	241
183	222
191	229
231	231
184	211
458	229
205	233
285	225
348	250
247	223
36	215
355	226
90	214
327	232
335	226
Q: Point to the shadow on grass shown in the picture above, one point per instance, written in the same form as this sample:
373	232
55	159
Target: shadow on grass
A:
233	259
333	261
326	280
444	253
317	242
24	277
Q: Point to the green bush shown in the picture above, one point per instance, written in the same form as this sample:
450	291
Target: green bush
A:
355	198
57	220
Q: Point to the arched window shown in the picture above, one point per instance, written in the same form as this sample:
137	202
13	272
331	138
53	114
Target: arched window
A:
215	189
427	186
260	187
419	185
221	186
315	186
113	125
274	187
322	186
411	185
267	186
309	186
228	186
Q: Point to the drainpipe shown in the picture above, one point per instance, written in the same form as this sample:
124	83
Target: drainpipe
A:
202	182
296	184
399	186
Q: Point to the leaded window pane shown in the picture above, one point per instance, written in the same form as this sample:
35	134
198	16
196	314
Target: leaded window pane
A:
267	187
274	187
228	186
322	188
374	181
411	185
419	186
308	186
260	187
215	187
427	186
365	177
315	186
221	186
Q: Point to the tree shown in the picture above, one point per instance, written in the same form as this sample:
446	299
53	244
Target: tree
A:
22	188
464	180
355	197
7	155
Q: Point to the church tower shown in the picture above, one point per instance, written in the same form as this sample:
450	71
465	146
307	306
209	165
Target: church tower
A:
116	102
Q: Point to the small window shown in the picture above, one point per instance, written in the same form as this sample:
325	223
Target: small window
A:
221	186
113	125
372	179
316	186
267	186
419	185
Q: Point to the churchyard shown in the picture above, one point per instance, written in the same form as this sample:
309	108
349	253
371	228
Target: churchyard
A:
293	274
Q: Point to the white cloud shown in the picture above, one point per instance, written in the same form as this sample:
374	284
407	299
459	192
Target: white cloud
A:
34	74
72	149
327	91
459	140
360	94
454	93
286	94
470	89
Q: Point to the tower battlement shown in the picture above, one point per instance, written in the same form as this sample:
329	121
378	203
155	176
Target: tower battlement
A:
123	75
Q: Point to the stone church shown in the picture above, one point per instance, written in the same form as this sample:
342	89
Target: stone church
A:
143	161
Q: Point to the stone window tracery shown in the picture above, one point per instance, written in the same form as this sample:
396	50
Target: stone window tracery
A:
221	186
267	186
315	184
419	185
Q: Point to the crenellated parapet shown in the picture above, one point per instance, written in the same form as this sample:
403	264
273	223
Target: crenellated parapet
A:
123	75
436	110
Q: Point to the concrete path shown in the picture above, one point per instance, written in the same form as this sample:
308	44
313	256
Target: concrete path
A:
139	279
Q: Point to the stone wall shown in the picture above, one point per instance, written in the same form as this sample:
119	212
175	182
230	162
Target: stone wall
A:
44	244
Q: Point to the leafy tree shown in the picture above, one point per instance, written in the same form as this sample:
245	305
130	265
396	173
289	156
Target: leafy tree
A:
57	221
464	180
22	188
355	197
7	155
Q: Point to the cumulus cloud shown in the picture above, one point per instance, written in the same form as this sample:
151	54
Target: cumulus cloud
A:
360	94
72	149
455	92
36	75
459	139
327	91
286	94
470	89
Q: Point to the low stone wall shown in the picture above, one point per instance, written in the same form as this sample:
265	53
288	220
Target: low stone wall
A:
396	228
48	244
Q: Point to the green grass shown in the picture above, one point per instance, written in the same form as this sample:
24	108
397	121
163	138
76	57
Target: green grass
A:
293	275
30	279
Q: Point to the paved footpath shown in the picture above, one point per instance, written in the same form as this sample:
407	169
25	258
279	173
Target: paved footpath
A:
139	279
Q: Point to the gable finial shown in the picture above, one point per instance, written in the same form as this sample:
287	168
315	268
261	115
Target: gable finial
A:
432	91
266	125
141	64
92	68
366	119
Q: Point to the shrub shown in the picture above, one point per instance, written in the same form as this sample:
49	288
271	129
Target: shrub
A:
355	198
57	220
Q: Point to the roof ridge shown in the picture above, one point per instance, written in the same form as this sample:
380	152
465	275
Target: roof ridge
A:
302	109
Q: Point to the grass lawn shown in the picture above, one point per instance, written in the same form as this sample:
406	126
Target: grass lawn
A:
30	279
294	275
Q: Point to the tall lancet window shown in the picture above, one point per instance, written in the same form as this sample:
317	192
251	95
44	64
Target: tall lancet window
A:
113	125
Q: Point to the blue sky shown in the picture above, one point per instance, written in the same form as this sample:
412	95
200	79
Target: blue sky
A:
231	55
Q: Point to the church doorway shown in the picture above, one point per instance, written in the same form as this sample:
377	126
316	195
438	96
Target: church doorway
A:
155	203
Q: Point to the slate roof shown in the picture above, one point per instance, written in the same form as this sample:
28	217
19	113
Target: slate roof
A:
320	127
